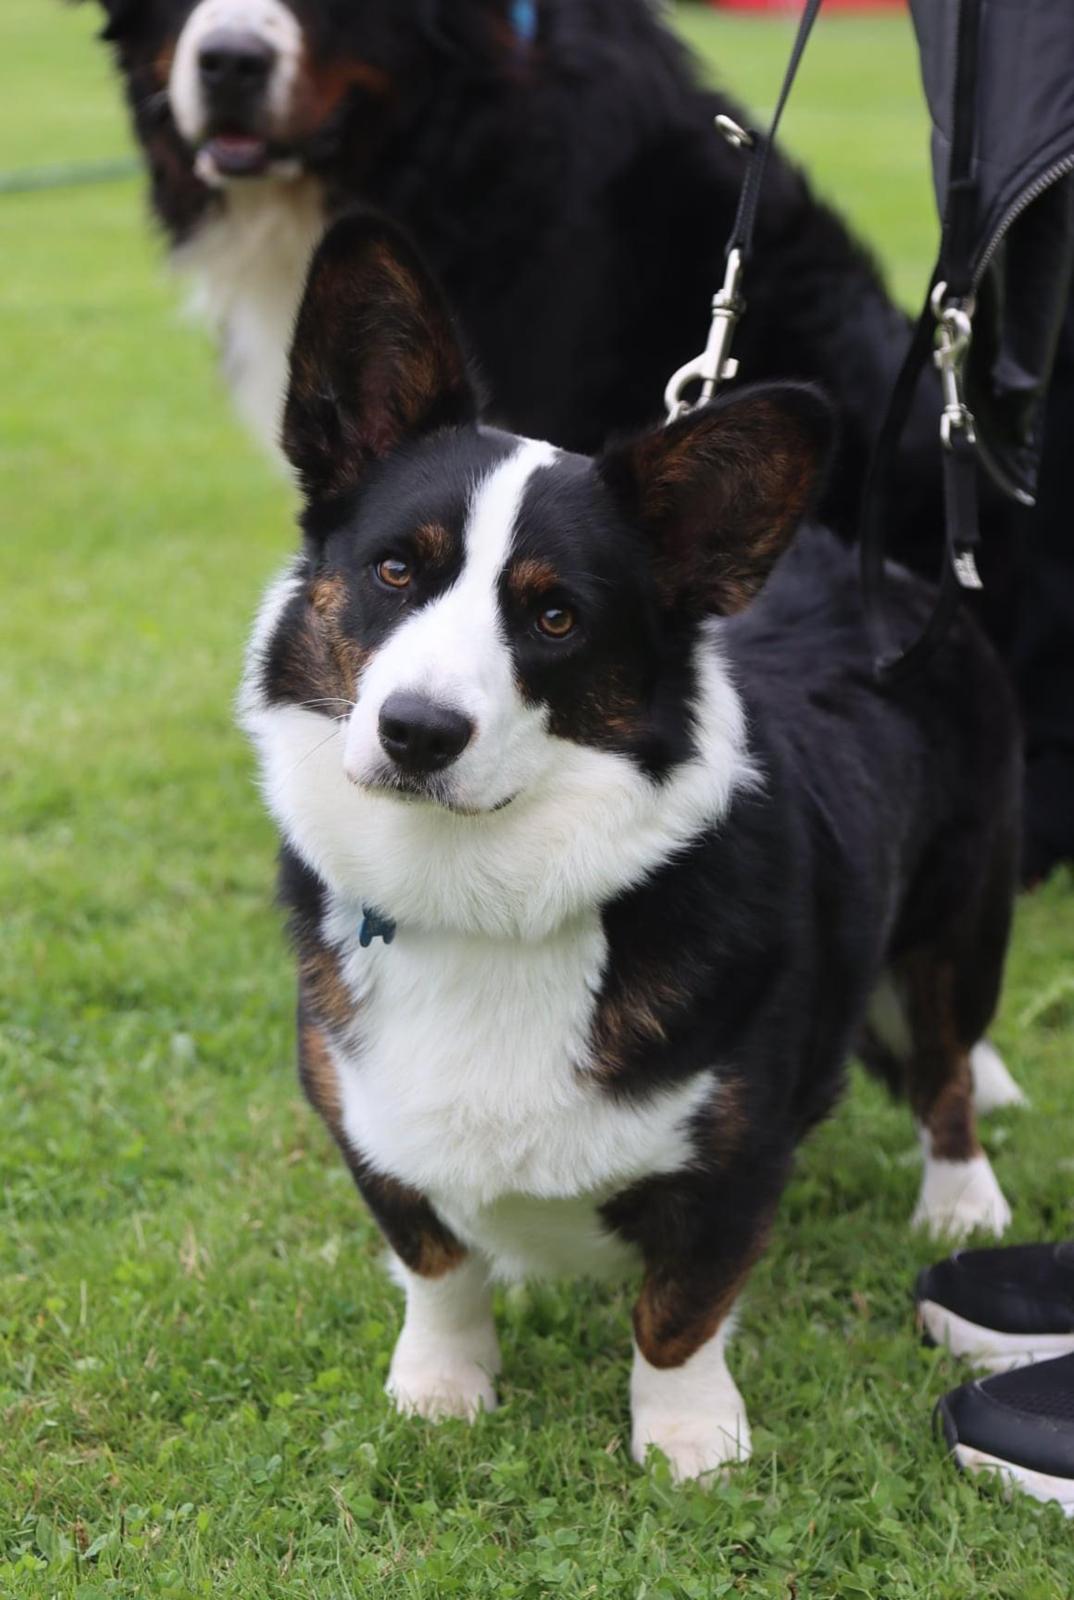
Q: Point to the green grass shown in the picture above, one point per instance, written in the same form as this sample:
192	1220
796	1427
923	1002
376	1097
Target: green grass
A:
194	1326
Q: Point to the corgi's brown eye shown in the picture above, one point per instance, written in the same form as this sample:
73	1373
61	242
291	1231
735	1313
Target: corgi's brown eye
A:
556	622
395	573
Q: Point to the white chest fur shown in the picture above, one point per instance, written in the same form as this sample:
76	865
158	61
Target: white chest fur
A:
469	1078
248	266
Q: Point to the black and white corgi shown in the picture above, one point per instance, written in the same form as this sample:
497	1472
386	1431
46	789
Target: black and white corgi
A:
599	867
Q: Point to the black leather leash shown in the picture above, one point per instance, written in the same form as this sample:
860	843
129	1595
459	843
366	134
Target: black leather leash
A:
944	328
760	145
715	363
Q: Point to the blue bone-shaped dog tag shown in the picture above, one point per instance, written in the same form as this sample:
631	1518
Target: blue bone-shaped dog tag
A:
375	926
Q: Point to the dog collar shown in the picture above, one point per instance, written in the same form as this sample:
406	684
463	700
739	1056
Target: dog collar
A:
524	20
374	925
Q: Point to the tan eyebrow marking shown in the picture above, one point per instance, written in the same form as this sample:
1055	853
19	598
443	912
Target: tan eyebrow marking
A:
529	578
433	542
327	594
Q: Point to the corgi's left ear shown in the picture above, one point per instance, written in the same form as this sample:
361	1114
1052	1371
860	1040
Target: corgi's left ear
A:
720	492
375	360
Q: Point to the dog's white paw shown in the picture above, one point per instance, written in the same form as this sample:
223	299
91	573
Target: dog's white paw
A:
447	1356
961	1197
695	1446
440	1389
993	1086
692	1412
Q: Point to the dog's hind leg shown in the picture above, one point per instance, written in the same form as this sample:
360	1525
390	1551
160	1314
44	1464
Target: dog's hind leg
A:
959	1190
993	1087
886	1044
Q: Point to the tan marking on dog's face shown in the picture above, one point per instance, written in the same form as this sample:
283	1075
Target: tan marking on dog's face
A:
323	663
328	594
528	579
433	543
321	87
163	62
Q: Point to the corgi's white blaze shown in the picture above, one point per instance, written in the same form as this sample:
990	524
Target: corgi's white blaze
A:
454	651
469	1078
694	1413
585	823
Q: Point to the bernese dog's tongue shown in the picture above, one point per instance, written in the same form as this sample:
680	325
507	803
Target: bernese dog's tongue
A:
237	155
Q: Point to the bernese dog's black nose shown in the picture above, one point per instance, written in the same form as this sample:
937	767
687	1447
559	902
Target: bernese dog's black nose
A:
421	736
234	65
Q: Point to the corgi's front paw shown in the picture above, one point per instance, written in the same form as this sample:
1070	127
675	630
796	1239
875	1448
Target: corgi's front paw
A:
961	1197
696	1446
692	1412
435	1389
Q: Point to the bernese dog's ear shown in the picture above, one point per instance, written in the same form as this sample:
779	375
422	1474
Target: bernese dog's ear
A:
375	360
117	15
720	492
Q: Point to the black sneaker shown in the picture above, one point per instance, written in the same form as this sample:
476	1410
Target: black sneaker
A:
1020	1425
1000	1308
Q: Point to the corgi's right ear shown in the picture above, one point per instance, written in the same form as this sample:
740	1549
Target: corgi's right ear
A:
375	360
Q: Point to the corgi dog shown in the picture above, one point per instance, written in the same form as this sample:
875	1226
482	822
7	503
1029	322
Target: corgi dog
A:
603	849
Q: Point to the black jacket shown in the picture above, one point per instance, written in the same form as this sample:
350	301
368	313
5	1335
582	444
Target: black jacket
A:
1009	229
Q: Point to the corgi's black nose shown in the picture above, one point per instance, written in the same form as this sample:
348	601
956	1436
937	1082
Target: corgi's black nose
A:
234	66
421	736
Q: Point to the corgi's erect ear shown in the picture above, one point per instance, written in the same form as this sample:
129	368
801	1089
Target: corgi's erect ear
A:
375	360
720	492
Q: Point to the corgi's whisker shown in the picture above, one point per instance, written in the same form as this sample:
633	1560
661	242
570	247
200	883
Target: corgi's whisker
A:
319	745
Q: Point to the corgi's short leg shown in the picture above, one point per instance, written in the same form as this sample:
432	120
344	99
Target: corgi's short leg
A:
447	1356
693	1412
684	1401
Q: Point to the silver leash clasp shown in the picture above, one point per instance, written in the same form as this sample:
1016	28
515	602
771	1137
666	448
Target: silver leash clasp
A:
953	332
715	363
954	329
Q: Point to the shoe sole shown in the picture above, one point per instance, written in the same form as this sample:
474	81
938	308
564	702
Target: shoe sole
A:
1041	1485
985	1347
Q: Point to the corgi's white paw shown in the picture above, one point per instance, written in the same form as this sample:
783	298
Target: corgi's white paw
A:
450	1387
692	1412
961	1197
696	1447
993	1086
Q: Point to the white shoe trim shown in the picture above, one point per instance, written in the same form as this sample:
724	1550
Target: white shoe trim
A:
1041	1485
986	1347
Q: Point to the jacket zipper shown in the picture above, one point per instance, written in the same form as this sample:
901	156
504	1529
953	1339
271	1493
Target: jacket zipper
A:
1057	170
